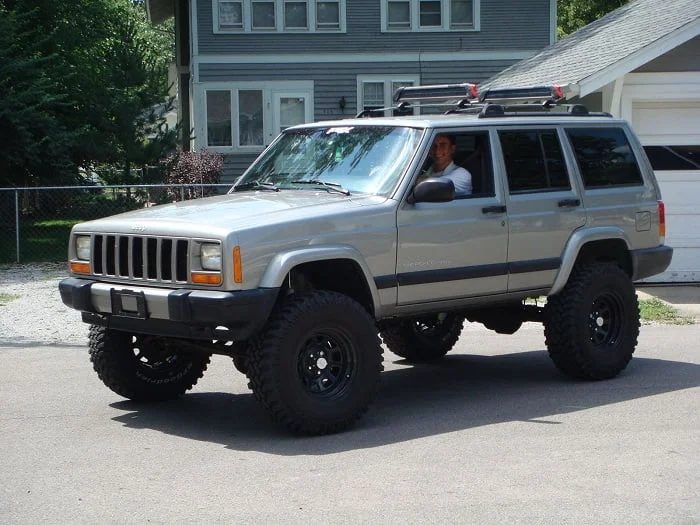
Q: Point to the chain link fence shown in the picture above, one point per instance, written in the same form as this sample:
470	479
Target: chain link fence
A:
35	223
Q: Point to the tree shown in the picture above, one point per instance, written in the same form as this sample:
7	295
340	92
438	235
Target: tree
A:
84	83
574	14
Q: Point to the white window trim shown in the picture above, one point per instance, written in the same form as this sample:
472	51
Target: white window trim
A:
388	93
279	19
415	19
269	90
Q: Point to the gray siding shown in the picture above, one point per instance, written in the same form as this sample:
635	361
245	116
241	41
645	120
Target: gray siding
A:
685	57
505	25
333	81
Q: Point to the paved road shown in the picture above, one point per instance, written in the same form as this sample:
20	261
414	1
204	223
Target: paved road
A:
493	434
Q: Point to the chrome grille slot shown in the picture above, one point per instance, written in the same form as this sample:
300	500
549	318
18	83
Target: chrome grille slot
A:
141	258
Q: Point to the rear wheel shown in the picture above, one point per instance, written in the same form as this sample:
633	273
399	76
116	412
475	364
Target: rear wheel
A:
317	364
424	339
591	327
144	368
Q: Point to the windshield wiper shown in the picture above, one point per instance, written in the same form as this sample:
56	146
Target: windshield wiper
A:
330	186
255	185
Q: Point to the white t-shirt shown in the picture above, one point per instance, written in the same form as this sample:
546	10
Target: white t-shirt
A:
460	177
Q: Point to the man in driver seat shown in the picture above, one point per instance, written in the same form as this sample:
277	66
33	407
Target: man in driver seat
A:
442	153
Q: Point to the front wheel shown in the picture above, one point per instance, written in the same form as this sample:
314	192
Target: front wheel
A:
316	366
144	368
591	326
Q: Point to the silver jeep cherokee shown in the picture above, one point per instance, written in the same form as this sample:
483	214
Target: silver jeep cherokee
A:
328	240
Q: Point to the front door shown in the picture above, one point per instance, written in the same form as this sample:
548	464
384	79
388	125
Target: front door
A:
289	109
456	249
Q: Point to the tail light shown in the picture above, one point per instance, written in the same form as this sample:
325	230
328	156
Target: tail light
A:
662	222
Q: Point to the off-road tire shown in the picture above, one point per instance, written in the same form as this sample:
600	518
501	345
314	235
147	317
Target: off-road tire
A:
136	367
316	365
591	326
426	339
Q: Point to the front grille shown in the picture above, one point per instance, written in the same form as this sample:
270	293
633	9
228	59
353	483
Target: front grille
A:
144	258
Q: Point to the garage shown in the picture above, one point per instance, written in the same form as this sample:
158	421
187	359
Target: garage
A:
670	132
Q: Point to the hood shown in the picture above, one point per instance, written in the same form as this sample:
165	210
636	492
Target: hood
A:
219	215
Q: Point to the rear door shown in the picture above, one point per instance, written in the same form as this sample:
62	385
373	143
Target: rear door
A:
544	205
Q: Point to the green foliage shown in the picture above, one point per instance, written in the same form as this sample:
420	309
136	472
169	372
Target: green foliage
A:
655	310
84	84
572	15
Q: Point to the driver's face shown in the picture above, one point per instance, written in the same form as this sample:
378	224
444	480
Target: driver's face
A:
441	152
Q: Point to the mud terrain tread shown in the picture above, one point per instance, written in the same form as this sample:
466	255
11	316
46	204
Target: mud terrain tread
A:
265	361
110	356
567	346
400	338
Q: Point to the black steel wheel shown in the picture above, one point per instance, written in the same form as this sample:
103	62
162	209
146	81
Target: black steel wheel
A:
316	365
592	325
144	368
424	339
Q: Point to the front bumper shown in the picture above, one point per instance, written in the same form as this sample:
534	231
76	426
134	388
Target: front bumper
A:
192	314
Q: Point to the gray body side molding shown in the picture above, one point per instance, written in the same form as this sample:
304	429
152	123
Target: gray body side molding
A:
282	263
578	239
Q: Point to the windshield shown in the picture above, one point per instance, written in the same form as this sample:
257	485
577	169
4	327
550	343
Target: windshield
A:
363	159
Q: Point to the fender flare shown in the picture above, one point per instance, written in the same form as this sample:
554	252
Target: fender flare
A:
283	262
573	247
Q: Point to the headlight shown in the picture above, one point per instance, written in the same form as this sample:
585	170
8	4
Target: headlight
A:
83	247
211	256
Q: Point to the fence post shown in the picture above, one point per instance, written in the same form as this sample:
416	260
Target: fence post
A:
17	222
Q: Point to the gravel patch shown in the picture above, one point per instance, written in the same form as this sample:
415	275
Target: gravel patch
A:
33	314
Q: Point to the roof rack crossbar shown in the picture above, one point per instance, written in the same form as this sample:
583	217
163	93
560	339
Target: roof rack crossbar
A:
462	92
523	95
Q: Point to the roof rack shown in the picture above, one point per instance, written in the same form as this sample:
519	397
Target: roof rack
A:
495	102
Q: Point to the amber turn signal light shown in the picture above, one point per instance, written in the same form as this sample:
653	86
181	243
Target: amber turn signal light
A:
206	278
79	267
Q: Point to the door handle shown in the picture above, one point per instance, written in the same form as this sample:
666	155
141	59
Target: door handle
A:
493	209
569	203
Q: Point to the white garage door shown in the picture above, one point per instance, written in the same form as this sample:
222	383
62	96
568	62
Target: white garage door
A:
670	132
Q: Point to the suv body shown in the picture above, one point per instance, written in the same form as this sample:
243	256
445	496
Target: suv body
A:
327	240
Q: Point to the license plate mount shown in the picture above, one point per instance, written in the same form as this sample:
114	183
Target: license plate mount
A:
128	303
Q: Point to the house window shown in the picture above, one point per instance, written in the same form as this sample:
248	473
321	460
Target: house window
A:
246	117
256	16
430	15
376	92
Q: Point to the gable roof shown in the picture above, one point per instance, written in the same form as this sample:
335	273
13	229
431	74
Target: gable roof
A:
608	48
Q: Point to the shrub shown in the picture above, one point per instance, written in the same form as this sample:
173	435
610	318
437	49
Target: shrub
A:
194	169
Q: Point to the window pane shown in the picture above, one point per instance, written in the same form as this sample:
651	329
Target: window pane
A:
230	15
534	161
263	15
461	14
328	15
373	95
396	85
604	157
676	158
399	15
250	118
295	15
292	111
430	14
219	118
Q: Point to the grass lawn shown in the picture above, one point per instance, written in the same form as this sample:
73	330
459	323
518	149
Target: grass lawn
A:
40	241
655	310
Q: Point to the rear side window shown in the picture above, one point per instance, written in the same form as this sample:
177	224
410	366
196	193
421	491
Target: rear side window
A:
534	161
604	157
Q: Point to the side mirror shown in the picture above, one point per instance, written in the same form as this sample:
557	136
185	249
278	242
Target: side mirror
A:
434	190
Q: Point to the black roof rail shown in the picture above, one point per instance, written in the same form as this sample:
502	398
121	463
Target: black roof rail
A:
530	110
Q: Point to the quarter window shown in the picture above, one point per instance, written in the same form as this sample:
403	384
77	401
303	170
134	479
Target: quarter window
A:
250	16
430	15
534	161
604	157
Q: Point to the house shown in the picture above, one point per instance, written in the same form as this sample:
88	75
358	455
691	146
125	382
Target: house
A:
642	63
249	68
